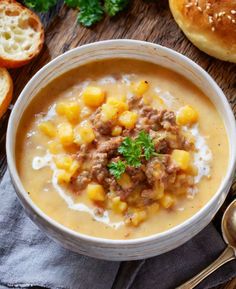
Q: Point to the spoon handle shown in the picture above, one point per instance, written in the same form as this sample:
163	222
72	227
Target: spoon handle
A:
225	257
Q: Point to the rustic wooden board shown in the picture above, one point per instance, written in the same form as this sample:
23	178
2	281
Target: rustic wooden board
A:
145	20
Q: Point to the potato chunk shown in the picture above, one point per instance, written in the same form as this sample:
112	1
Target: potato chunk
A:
63	177
54	147
95	192
118	206
65	133
125	181
120	105
128	119
140	87
108	112
69	109
47	128
117	130
84	134
167	201
93	96
181	158
187	116
138	217
73	112
63	162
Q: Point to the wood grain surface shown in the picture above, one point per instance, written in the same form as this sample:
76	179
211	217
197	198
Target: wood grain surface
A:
143	20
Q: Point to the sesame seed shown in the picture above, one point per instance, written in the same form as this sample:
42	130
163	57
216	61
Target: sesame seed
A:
213	29
234	21
229	17
199	8
189	5
222	13
210	19
233	11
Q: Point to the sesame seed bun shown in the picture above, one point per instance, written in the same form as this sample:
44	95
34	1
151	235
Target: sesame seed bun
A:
208	24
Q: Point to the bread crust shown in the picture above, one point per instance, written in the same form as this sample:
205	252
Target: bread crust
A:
13	7
7	92
209	24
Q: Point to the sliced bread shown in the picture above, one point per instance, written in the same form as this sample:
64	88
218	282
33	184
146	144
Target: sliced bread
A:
21	34
6	90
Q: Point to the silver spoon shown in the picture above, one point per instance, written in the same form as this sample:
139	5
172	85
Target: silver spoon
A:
228	227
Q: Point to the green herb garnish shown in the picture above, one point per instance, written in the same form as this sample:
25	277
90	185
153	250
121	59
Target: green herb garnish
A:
117	168
112	7
72	3
90	12
40	5
147	144
131	150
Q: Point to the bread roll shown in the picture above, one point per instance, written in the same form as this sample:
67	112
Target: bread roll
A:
21	34
6	89
209	24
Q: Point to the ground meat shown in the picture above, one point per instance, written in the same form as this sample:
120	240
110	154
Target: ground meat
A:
148	194
133	101
185	144
154	170
137	175
101	127
168	120
111	185
82	154
157	119
162	146
110	147
99	211
81	181
150	118
160	141
99	166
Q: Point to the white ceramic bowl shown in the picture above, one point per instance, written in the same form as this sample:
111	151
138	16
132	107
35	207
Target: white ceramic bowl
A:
142	247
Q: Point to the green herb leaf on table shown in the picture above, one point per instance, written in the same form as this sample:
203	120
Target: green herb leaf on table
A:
117	169
147	144
131	151
72	3
112	7
40	5
90	12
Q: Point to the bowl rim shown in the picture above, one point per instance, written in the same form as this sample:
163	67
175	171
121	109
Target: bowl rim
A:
105	241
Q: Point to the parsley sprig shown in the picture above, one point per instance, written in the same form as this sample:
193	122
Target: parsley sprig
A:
147	144
90	11
40	5
117	169
133	150
112	7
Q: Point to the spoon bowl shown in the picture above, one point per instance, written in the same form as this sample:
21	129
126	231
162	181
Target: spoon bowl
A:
228	225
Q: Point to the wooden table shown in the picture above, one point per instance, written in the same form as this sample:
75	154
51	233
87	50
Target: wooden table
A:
149	21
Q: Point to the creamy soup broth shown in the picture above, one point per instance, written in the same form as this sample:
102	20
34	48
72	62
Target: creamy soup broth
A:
167	89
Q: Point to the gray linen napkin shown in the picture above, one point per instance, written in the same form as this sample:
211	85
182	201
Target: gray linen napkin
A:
29	258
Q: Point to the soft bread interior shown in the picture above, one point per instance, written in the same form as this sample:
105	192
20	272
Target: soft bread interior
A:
20	32
4	85
6	90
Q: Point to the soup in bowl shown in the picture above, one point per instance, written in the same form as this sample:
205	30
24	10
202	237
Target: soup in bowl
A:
120	152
